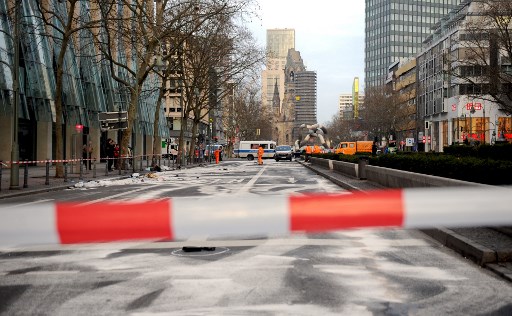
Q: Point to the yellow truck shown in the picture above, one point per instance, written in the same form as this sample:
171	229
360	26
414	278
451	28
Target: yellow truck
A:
350	148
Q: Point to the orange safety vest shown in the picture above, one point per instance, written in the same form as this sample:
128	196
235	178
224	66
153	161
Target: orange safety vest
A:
308	150
316	149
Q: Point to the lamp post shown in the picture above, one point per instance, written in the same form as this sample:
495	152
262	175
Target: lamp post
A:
485	132
15	176
471	111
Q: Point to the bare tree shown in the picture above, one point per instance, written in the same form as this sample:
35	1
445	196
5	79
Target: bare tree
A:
483	59
132	36
382	113
219	55
339	129
248	116
64	20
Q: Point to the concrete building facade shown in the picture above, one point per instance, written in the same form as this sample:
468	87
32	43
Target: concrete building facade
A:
403	86
451	113
279	41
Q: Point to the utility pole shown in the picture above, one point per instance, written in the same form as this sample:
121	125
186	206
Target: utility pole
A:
15	176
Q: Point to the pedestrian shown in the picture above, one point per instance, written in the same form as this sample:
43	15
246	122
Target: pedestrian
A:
84	155
308	153
316	149
260	155
217	155
110	153
117	152
374	149
130	156
87	155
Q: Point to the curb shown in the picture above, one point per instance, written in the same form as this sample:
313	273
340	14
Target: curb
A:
503	269
477	253
331	178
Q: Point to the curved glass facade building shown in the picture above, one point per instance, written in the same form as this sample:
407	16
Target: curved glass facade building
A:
88	89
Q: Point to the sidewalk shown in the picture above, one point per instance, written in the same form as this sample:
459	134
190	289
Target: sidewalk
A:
487	247
37	181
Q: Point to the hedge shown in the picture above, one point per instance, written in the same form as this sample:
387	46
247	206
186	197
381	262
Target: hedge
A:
465	167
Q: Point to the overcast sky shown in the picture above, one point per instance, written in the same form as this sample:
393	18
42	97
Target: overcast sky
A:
330	37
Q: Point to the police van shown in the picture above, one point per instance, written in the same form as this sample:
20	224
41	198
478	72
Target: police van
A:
249	149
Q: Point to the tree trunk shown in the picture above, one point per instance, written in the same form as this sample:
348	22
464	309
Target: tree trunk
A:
59	170
192	149
156	144
125	140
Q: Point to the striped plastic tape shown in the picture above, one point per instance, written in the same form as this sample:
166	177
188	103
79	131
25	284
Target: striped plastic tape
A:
239	216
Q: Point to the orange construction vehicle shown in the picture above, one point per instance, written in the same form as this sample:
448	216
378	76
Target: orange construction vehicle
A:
350	148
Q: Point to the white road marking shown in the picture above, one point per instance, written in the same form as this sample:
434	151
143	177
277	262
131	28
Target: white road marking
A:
249	184
117	195
25	204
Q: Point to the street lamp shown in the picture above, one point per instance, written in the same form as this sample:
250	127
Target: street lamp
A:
15	181
471	111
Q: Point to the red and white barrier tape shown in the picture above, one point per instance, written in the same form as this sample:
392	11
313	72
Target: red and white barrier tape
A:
21	162
181	218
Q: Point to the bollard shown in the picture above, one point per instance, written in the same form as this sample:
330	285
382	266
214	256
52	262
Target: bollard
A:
120	164
47	182
81	176
1	166
147	161
25	175
141	158
94	168
106	166
363	162
65	171
134	161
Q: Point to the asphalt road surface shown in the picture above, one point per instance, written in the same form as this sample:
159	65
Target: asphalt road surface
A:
353	272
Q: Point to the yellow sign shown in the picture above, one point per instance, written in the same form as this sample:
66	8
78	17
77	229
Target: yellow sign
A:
297	98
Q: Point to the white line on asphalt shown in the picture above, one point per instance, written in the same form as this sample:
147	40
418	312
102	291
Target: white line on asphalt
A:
249	184
24	204
53	272
118	195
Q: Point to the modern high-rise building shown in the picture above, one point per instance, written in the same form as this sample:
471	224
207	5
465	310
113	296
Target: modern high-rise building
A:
279	41
395	30
346	104
305	98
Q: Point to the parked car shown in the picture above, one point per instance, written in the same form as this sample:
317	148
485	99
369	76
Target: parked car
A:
283	152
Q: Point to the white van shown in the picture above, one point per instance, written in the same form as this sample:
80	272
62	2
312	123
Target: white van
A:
249	149
169	150
211	148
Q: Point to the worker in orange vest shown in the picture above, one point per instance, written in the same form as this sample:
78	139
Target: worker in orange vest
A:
308	153
316	149
216	153
260	155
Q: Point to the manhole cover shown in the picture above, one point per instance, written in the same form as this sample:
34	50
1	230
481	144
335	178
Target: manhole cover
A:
199	251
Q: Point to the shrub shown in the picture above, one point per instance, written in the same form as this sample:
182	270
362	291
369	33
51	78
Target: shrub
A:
463	167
